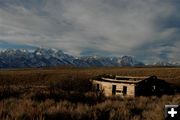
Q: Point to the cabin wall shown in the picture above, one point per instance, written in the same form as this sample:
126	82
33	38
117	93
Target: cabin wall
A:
153	86
107	88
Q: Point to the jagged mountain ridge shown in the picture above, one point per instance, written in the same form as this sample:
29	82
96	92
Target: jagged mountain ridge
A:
19	58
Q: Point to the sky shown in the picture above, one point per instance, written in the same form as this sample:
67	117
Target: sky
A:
146	29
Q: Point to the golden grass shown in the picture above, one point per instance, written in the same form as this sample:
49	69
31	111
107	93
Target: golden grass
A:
27	94
145	108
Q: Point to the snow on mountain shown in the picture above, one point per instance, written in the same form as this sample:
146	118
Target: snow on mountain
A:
166	63
41	57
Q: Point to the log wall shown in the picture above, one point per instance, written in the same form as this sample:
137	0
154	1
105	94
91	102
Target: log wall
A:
107	88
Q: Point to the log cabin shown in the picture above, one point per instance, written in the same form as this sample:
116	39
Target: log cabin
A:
130	86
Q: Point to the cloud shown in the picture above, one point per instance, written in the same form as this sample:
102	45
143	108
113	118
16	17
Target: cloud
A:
165	48
81	27
6	45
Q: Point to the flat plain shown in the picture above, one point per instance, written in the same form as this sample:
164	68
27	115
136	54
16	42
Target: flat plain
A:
66	93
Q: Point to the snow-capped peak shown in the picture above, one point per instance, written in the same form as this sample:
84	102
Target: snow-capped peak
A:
40	57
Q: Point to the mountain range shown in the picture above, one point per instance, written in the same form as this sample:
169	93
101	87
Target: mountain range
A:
41	57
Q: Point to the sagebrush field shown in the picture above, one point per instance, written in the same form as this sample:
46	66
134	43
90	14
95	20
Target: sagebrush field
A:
65	93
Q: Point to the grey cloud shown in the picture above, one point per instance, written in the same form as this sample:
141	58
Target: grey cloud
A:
164	48
107	26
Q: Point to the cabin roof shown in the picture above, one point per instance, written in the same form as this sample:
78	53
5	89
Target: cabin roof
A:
123	79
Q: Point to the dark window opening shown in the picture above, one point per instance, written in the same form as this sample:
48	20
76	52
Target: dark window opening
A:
124	90
113	89
97	87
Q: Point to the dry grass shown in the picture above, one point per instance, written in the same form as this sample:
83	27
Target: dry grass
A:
65	93
145	108
47	76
